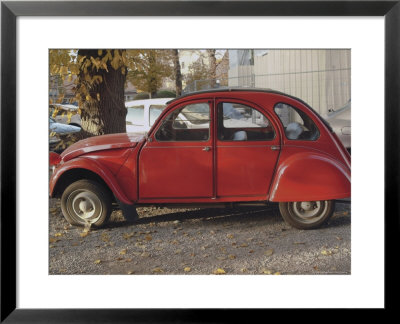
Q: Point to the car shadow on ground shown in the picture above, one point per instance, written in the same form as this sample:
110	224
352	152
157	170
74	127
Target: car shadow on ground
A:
212	216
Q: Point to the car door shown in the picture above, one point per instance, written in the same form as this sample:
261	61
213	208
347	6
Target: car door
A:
177	162
247	149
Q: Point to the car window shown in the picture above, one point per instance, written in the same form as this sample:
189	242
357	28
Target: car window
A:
237	122
298	125
188	123
154	112
135	115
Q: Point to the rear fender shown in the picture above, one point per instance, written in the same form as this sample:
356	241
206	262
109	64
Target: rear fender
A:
92	166
310	177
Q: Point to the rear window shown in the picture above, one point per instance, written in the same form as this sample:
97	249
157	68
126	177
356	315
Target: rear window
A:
297	124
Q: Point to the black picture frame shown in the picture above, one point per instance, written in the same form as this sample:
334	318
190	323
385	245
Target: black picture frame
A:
10	10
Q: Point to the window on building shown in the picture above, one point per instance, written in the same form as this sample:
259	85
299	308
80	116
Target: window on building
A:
189	123
298	126
237	122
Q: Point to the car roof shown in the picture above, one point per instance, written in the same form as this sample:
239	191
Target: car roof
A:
144	102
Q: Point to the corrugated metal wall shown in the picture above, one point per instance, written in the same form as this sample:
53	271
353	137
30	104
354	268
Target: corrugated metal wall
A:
320	77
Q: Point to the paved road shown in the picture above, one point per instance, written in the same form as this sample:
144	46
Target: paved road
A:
201	241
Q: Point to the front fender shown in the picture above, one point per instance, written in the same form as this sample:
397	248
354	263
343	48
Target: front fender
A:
310	177
93	166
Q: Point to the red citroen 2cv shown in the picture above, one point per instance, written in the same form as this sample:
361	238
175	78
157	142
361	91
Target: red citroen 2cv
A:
221	147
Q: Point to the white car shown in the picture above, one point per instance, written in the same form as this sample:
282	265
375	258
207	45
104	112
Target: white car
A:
58	129
62	114
340	121
142	114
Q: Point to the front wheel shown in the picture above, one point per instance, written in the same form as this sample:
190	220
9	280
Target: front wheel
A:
86	202
307	214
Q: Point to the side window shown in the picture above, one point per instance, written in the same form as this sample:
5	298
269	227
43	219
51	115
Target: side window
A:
298	126
189	123
237	122
135	115
154	112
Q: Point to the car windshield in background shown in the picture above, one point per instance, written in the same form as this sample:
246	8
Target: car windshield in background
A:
135	115
154	112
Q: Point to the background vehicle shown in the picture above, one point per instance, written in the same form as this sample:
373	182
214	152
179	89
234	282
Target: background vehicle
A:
57	129
142	114
222	147
63	110
340	120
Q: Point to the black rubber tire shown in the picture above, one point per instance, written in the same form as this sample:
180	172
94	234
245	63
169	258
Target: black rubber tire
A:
287	210
99	191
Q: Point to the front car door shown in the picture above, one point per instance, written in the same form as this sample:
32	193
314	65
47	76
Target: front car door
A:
178	161
247	150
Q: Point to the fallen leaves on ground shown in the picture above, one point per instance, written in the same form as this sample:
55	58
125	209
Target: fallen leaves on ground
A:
269	252
157	270
219	271
131	272
123	252
53	240
97	261
325	252
187	269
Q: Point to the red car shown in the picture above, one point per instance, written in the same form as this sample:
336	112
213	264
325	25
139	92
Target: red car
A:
222	148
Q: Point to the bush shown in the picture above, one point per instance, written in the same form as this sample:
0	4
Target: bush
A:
165	94
142	95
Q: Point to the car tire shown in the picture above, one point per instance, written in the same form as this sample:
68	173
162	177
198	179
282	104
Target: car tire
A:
86	202
307	214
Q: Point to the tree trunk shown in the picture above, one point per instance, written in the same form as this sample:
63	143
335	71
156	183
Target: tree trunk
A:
104	112
213	67
178	74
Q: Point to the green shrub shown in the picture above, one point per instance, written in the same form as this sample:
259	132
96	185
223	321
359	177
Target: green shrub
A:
142	95
165	94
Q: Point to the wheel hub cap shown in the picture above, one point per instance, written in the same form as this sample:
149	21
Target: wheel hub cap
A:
85	205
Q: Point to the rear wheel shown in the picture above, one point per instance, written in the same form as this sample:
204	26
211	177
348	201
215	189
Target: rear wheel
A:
307	214
86	202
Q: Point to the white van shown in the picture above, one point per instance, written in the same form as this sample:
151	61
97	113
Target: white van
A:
142	114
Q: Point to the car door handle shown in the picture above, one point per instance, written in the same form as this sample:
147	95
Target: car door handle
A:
207	148
275	148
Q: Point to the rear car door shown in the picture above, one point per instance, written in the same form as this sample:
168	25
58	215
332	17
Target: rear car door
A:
247	149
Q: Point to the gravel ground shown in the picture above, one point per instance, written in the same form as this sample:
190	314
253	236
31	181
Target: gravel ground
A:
200	241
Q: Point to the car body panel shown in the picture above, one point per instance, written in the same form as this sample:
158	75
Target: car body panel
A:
326	178
151	171
94	166
101	143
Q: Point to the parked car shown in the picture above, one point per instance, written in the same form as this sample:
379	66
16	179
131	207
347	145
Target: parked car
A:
142	114
253	147
57	129
340	120
61	116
